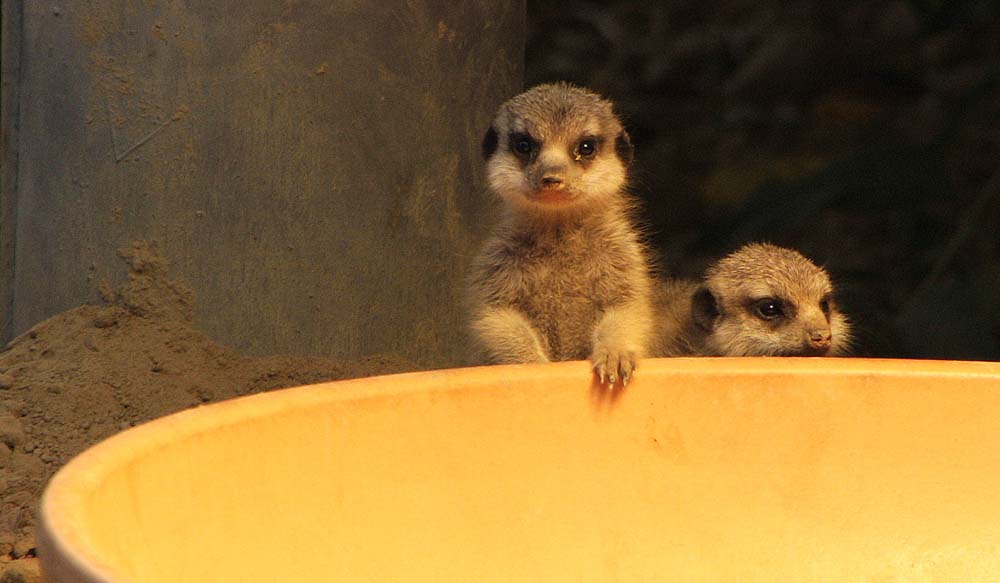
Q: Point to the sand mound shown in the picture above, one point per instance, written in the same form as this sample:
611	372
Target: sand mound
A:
92	371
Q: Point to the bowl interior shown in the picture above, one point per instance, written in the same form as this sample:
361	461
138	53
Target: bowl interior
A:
702	470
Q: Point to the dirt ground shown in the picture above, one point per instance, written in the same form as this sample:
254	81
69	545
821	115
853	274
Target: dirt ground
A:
95	370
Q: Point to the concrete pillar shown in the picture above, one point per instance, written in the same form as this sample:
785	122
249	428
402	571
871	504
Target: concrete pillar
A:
311	168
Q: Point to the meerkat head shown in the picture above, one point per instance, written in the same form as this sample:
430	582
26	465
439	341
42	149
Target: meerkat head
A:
556	147
765	300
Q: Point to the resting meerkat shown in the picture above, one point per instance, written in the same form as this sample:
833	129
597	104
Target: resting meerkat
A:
564	275
762	300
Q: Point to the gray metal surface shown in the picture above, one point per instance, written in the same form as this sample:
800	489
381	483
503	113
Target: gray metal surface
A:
10	17
310	168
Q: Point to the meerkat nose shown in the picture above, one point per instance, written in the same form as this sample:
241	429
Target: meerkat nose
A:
552	173
552	181
819	338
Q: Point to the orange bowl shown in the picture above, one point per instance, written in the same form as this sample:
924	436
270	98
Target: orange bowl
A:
754	469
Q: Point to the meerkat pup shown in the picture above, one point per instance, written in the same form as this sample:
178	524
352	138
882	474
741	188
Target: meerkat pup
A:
564	275
762	300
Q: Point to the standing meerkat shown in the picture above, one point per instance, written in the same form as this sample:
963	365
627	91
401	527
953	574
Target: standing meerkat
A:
564	275
762	300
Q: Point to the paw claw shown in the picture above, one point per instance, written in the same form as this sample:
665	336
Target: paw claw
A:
613	365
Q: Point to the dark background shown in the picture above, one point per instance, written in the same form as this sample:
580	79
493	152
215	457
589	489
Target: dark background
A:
864	134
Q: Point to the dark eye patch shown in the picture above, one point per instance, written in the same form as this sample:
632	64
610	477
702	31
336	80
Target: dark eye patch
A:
490	143
623	145
587	148
826	303
769	309
705	309
523	146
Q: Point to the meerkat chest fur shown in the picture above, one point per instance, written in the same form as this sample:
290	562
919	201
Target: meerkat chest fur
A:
563	274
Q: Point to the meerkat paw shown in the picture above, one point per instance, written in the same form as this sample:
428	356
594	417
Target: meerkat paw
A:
612	364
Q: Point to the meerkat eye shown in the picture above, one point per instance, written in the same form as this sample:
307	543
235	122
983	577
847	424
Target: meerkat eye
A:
586	148
769	308
522	144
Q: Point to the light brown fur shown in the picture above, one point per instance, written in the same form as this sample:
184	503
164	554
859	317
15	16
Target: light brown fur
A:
762	300
674	332
564	276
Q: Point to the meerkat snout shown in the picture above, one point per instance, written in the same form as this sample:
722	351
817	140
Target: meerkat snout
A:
549	173
819	339
552	180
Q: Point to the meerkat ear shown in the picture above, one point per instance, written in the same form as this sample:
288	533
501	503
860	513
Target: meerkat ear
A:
623	145
704	309
490	143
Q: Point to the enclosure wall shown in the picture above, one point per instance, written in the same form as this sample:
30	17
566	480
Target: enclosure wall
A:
310	168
